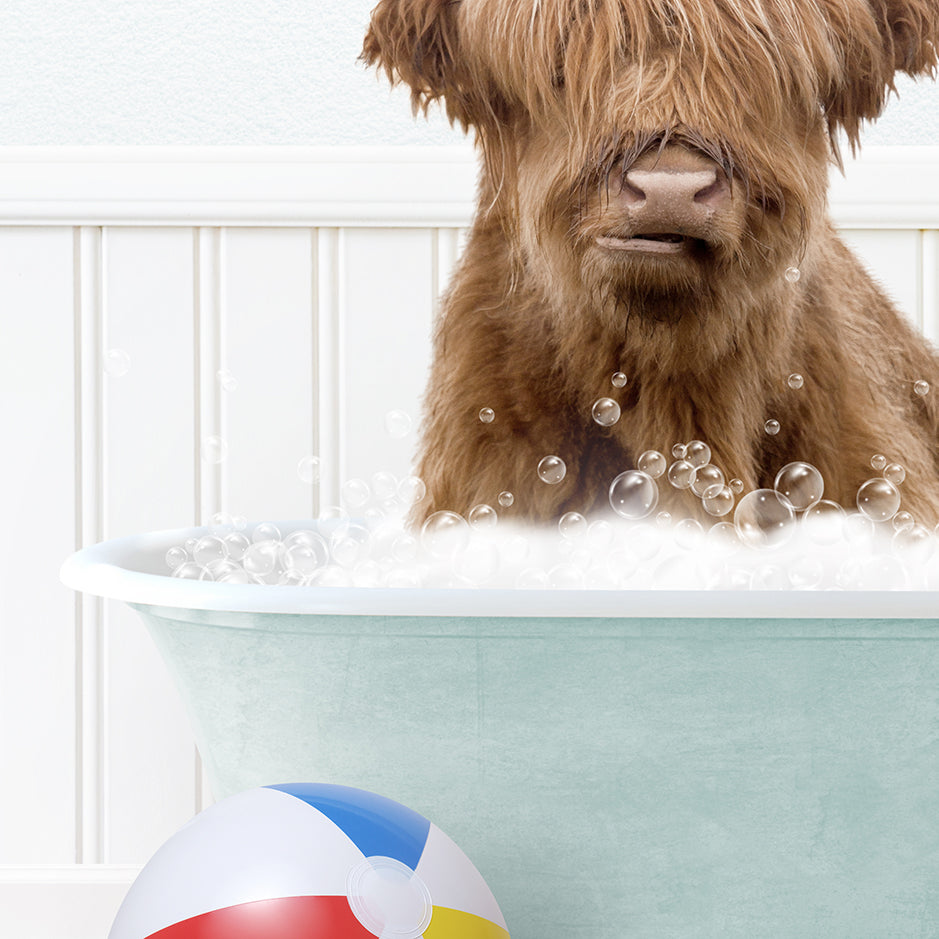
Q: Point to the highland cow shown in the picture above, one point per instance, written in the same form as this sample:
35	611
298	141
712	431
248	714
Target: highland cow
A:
652	201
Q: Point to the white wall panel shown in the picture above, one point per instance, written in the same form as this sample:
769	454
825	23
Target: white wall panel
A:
37	498
149	483
389	290
269	347
893	258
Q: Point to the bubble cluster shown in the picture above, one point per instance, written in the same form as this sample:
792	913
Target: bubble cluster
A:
788	537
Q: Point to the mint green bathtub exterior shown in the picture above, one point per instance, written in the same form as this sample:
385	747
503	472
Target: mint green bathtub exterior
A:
610	776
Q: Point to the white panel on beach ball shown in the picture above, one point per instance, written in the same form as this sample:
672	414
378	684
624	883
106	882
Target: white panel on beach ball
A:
309	861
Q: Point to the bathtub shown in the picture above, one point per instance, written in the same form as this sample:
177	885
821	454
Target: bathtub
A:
644	763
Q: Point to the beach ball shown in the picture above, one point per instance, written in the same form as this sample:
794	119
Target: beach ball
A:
309	861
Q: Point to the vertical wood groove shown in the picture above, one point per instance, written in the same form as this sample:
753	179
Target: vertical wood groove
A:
330	410
929	271
89	263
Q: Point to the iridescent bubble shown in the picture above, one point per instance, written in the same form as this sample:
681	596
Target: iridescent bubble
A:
487	415
483	516
551	470
706	476
397	423
681	474
606	412
619	379
226	380
214	449
771	427
355	493
116	363
878	462
895	473
793	274
506	499
718	500
921	387
572	526
634	494
795	381
652	463
697	453
736	486
764	519
878	499
800	483
445	534
308	469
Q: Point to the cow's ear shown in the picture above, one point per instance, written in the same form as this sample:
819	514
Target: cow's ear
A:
416	42
875	39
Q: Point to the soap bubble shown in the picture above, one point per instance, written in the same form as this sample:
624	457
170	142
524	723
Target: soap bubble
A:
265	531
551	470
652	463
769	577
412	490
619	379
506	499
895	473
487	415
823	522
226	380
793	274
806	572
634	494
606	412
771	427
795	381
355	493
188	571
384	485
600	535
566	577
209	548
397	424
305	551
698	453
483	516
308	469
736	486
706	476
689	533
902	520
764	519
878	499
914	544
718	500
348	545
921	388
175	557
445	534
236	543
572	526
116	363
878	462
681	474
679	450
800	483
214	449
261	557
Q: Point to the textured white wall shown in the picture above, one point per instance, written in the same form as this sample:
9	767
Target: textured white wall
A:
232	72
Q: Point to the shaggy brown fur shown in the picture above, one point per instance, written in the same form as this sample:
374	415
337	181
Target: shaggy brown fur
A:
579	107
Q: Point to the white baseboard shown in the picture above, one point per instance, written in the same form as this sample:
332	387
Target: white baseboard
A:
69	902
886	187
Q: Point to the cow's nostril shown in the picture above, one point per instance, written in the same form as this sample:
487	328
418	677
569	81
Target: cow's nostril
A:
715	193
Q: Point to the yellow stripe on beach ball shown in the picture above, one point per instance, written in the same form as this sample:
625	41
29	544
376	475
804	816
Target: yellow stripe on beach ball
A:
455	924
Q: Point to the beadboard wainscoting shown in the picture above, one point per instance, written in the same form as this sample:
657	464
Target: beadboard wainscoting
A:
129	280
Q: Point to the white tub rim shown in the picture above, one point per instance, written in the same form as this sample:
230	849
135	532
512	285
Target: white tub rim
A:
113	570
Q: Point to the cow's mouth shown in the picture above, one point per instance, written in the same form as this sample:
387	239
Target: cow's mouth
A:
651	243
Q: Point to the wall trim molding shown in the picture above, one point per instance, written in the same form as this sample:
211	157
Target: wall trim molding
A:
886	187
